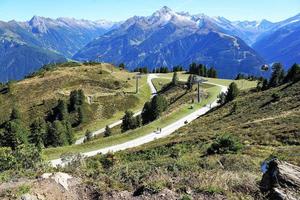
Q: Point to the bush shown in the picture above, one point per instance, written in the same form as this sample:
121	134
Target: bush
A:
224	144
7	160
275	97
27	157
107	131
108	160
88	136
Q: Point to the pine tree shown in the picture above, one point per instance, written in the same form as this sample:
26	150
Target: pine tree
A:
76	99
61	112
62	133
128	121
81	115
69	132
277	75
38	132
56	134
293	74
14	134
159	104
213	73
200	70
193	68
204	71
147	113
265	84
232	92
107	131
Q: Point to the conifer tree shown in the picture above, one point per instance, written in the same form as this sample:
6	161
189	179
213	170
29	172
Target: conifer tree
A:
147	113
277	75
128	121
158	105
61	112
38	132
293	74
14	134
232	92
69	132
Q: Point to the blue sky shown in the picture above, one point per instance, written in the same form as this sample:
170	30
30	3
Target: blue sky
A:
116	10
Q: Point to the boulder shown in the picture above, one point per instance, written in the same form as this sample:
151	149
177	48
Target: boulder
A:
281	181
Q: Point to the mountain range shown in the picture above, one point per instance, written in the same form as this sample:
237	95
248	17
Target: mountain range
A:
26	46
165	38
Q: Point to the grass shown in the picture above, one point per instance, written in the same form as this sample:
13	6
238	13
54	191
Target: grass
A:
53	153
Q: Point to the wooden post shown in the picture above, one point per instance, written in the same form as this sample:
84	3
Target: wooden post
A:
198	91
198	80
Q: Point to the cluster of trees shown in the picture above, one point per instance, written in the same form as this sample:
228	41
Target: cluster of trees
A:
55	130
202	70
241	76
230	95
153	109
143	70
130	122
279	77
161	70
178	68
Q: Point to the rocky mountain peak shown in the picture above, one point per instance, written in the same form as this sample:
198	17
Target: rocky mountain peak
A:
38	24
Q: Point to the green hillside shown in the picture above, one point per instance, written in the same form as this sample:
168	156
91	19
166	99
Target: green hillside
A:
108	90
262	125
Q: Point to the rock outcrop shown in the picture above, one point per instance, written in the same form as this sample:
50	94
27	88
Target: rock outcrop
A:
281	181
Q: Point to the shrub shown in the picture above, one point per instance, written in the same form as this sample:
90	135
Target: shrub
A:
107	131
224	144
88	136
275	97
108	160
7	160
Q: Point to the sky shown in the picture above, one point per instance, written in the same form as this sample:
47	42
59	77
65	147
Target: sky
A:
118	10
